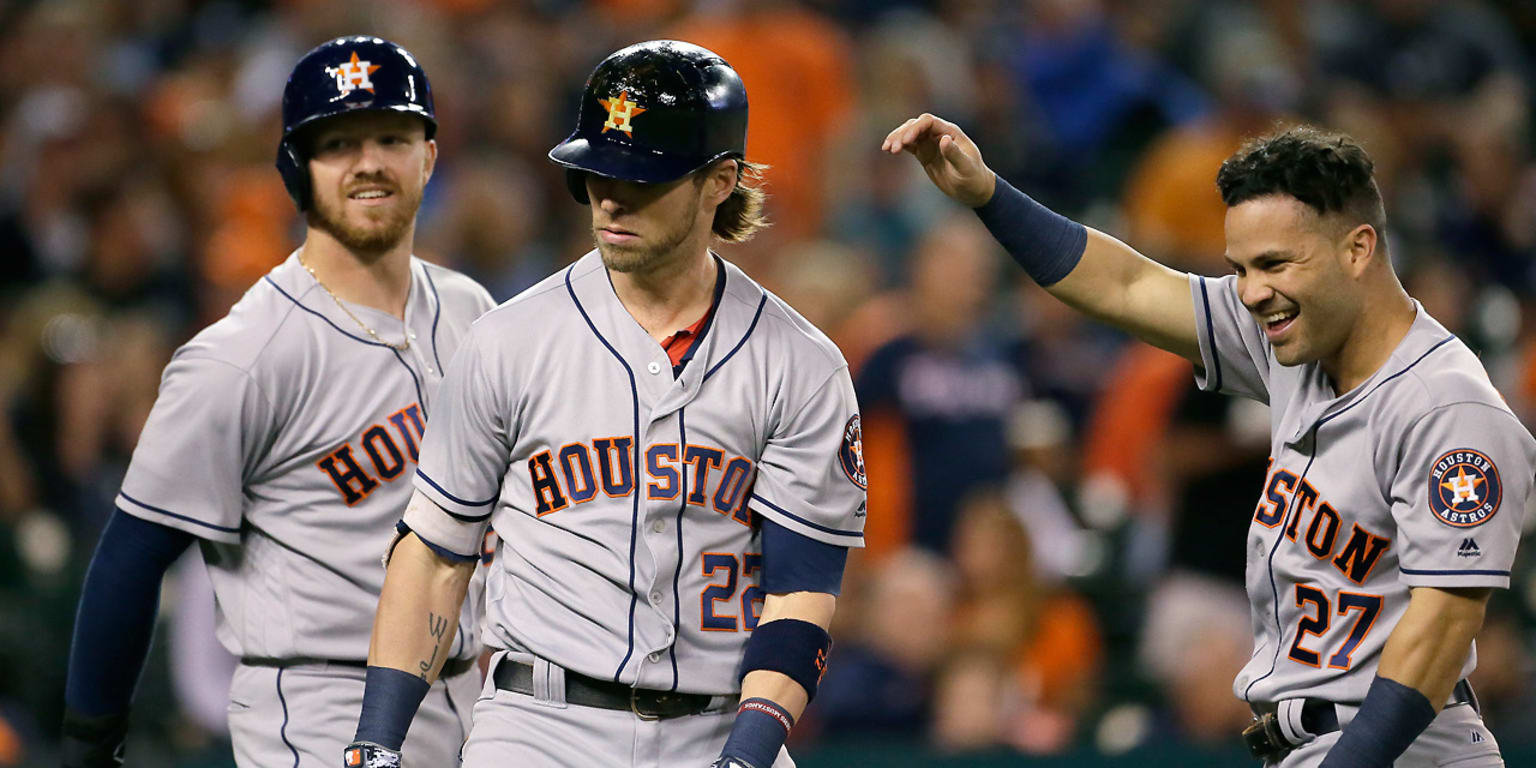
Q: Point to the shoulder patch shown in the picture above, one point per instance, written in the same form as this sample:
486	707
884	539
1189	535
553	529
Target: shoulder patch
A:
851	454
1464	488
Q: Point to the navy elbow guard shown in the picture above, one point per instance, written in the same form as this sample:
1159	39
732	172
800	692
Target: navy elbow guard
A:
790	646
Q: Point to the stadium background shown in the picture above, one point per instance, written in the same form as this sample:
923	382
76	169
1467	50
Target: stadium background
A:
1054	570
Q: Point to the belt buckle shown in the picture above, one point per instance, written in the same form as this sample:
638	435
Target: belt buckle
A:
1263	737
634	706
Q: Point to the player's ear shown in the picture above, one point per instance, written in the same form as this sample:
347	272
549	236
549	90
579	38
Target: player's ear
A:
1360	248
721	180
429	162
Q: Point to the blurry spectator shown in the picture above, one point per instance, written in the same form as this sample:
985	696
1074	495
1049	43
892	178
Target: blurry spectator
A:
947	382
1195	641
801	92
1062	354
1099	99
1505	678
1172	208
972	700
879	678
1045	459
1046	638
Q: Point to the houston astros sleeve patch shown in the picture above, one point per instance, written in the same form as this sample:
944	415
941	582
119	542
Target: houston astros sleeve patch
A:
1464	488
851	455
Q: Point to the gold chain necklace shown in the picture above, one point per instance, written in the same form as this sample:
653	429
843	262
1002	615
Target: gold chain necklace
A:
311	270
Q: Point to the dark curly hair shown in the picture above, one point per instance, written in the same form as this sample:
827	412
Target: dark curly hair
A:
1329	172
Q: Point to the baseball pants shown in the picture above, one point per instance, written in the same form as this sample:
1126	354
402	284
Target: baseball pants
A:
1456	738
541	731
304	715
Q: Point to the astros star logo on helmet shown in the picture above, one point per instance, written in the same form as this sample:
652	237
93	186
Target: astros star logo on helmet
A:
352	75
620	112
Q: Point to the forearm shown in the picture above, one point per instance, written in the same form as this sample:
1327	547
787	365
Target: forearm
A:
1093	272
418	610
1115	284
1419	667
1429	645
113	627
814	607
784	659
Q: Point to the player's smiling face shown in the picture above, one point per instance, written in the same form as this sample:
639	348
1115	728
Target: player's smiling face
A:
368	170
1293	276
640	226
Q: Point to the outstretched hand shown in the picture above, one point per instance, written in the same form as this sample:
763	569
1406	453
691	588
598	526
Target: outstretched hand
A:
950	158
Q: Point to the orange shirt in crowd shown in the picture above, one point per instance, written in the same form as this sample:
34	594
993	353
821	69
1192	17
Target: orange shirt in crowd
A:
796	67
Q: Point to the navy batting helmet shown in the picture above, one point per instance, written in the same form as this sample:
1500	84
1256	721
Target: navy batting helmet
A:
655	111
345	75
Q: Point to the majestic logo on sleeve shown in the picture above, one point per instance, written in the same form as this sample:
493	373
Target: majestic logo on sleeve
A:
352	75
1464	488
851	454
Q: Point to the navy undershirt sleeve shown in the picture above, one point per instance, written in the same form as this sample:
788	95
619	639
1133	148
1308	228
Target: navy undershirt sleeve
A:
116	617
796	563
1045	243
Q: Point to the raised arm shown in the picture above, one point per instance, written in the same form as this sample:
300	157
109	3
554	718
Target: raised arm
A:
1089	270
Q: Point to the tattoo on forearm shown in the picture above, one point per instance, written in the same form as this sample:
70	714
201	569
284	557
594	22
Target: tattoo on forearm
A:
437	629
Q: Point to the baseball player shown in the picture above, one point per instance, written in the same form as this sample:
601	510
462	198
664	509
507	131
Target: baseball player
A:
284	437
1398	481
672	464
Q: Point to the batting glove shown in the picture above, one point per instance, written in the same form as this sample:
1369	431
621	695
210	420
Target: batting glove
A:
731	762
366	754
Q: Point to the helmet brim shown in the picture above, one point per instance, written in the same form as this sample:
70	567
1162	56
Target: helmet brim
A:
616	161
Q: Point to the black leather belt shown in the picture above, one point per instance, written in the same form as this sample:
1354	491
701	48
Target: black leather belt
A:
586	691
451	668
1267	740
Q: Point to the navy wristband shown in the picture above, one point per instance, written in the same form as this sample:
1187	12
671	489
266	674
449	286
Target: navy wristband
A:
390	700
1390	718
793	647
1045	243
758	734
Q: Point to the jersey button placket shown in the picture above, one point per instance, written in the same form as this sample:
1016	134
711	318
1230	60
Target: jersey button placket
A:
653	367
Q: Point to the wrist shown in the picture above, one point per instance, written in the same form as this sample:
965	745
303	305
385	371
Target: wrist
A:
1390	718
987	192
390	700
758	734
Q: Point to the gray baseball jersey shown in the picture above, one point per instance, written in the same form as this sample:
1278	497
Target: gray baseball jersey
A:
284	436
623	497
1419	477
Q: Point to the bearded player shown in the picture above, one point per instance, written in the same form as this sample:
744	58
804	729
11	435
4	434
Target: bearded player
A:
672	464
283	438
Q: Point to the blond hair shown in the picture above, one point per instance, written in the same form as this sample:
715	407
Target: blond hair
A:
741	215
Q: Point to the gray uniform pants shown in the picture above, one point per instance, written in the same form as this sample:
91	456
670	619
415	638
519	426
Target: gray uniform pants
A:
1456	739
541	731
304	715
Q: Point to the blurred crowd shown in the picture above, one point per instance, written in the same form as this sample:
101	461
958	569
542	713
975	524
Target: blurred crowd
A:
1057	515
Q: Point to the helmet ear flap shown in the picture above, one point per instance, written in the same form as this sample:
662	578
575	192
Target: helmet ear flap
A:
295	172
576	182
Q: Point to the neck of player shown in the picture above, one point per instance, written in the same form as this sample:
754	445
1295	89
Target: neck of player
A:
379	280
1381	326
671	294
